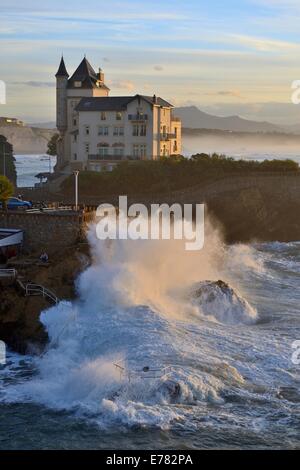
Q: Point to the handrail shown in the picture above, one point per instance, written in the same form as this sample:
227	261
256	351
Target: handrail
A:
36	289
8	272
144	373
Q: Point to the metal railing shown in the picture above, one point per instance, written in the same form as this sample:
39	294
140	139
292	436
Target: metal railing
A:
137	117
108	157
144	373
36	289
167	136
8	273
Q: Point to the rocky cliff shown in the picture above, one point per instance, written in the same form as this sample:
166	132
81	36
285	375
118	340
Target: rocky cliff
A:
20	327
27	140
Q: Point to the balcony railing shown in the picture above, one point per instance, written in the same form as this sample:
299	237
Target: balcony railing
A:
137	117
168	136
109	157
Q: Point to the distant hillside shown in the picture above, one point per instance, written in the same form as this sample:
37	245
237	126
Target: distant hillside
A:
27	140
294	128
194	118
44	125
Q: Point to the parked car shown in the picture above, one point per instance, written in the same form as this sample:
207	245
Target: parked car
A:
15	203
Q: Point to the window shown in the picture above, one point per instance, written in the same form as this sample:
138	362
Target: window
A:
87	130
118	116
75	138
118	131
176	132
136	150
103	130
143	150
143	130
103	116
77	84
118	151
74	122
165	151
87	148
175	146
103	151
75	156
135	130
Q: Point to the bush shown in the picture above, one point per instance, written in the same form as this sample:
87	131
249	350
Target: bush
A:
169	174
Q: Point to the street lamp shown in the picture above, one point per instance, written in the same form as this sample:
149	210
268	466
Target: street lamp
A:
76	173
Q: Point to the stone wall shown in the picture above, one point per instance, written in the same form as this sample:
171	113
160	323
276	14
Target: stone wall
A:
44	231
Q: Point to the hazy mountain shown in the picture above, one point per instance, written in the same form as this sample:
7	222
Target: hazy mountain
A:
194	118
44	125
294	128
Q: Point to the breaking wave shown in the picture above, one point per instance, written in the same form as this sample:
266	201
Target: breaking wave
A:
141	340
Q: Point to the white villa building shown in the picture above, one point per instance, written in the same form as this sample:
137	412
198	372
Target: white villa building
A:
98	131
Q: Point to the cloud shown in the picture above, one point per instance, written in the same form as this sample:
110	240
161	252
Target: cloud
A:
264	44
158	68
36	84
122	84
232	93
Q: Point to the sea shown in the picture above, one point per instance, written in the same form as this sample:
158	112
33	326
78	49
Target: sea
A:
28	166
140	361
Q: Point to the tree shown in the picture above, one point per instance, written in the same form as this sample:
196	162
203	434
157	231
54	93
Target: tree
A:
52	145
7	160
6	190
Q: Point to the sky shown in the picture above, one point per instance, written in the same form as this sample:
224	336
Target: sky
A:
226	57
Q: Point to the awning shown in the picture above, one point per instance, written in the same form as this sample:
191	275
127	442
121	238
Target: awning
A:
9	237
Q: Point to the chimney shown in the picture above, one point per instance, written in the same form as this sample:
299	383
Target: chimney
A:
100	75
154	99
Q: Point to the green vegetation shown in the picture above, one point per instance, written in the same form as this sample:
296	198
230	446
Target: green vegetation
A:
169	174
7	160
6	190
52	145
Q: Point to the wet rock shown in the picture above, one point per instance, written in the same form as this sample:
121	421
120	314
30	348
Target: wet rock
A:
217	299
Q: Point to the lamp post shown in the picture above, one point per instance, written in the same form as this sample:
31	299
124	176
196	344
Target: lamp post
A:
76	173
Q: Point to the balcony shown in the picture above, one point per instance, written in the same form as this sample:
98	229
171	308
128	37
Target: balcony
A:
166	137
109	158
138	117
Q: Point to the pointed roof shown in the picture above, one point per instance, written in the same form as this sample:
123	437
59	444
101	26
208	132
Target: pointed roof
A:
62	71
86	75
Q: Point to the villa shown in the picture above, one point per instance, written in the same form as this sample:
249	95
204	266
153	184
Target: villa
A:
98	131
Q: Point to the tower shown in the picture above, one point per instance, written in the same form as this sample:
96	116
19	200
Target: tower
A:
61	110
61	97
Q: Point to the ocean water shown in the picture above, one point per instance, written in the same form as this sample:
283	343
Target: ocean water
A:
224	375
27	166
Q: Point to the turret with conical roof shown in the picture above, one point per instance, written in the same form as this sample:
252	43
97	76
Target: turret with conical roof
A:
61	96
62	71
